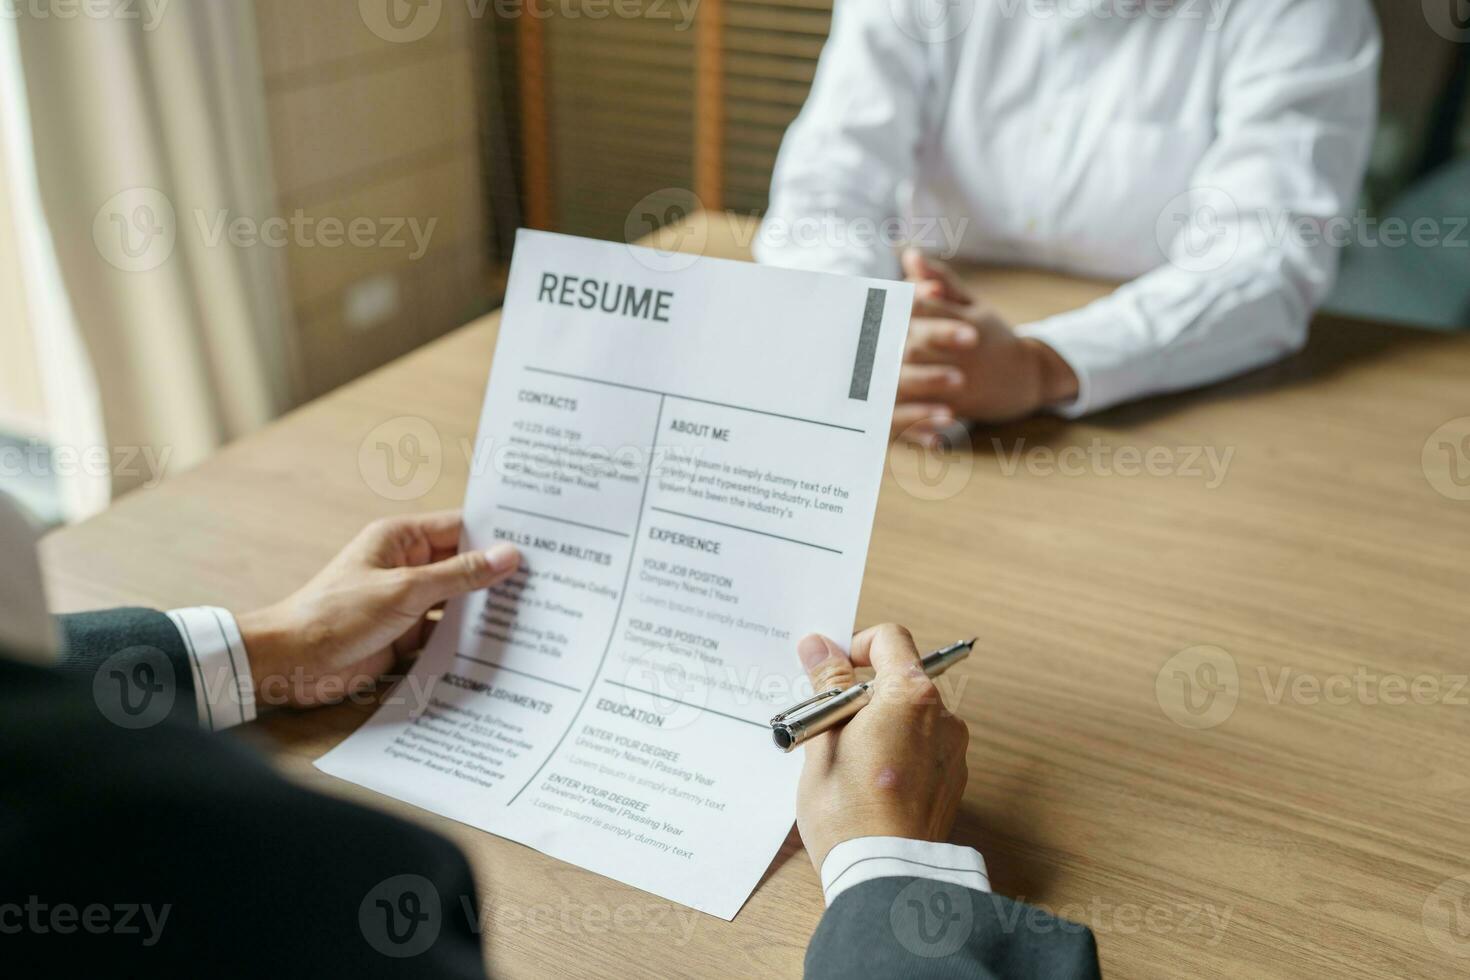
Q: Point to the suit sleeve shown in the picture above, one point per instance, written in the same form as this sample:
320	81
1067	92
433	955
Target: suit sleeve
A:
171	854
127	653
926	929
194	658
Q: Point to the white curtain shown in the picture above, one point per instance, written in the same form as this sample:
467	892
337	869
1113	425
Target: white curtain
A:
157	337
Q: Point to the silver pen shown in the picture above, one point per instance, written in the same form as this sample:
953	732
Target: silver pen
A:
834	706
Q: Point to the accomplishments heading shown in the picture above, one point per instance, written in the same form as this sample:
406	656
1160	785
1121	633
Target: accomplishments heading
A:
609	297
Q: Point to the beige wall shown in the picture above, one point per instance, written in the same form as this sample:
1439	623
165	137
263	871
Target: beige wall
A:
21	409
365	127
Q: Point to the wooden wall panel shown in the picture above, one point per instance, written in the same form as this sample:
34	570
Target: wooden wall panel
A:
366	126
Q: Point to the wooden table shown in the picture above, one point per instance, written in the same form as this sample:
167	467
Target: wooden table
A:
1295	835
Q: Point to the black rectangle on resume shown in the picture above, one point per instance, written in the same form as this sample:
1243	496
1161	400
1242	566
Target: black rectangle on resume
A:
867	349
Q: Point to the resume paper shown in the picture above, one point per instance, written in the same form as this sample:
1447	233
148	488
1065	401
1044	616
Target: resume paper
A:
687	453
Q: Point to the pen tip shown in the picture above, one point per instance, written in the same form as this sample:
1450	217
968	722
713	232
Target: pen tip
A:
971	641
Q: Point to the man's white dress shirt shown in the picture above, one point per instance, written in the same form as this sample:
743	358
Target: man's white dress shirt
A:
1207	150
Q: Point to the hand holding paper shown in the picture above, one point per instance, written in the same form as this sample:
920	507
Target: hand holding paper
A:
689	463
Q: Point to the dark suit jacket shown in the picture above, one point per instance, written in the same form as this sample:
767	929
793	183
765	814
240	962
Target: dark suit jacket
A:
899	928
151	849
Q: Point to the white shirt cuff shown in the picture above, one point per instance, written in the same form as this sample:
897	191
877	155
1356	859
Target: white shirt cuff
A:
1089	340
223	689
864	858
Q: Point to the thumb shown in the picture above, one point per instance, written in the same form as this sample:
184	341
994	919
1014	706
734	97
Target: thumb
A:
825	663
467	571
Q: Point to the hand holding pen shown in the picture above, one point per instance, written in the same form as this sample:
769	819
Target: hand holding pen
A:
826	709
894	769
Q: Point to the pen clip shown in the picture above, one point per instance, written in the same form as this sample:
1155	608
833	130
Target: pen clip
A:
823	696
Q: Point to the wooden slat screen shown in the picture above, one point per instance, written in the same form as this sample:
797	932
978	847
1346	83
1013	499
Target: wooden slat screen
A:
620	114
770	55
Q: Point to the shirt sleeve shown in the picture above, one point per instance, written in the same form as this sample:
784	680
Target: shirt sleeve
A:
1252	249
835	187
223	689
864	858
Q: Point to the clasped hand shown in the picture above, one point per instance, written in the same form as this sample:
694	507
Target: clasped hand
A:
965	362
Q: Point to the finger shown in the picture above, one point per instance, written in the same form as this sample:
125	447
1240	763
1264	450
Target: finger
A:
914	267
465	572
311	690
958	733
888	648
920	423
929	292
942	335
418	635
364	676
943	307
413	539
825	663
441	528
828	667
929	382
412	641
899	671
920	268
